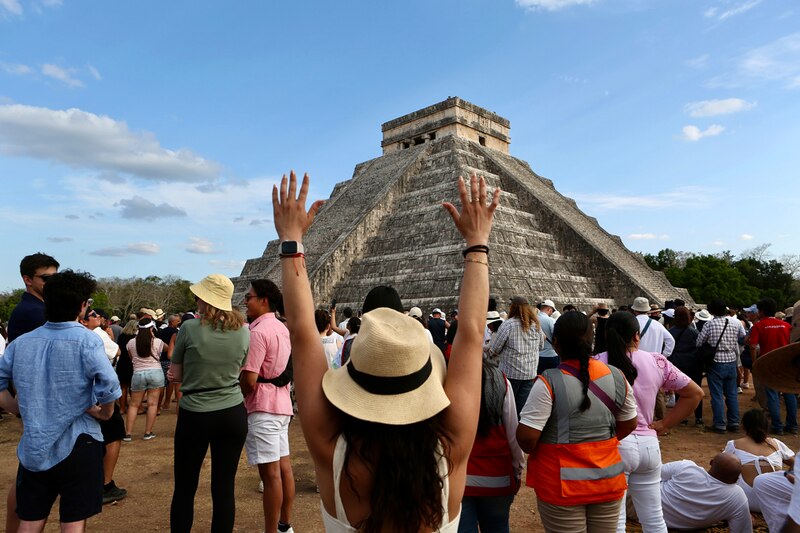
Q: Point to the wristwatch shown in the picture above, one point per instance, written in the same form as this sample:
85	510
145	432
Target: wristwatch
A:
291	248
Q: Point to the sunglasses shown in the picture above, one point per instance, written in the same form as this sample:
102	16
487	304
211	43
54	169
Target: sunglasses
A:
92	315
43	277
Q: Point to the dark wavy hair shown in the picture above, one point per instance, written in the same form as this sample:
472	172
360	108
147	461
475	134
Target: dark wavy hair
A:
620	330
144	338
404	463
264	288
756	425
31	263
322	319
64	294
491	413
572	337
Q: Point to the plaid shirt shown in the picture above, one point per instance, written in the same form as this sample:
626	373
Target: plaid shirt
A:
727	351
518	350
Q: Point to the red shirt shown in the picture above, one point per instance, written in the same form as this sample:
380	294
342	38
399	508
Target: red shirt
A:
770	334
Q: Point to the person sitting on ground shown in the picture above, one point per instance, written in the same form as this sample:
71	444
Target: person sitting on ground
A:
758	453
692	498
393	425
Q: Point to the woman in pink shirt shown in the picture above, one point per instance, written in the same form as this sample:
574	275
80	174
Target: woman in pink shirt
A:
647	373
148	376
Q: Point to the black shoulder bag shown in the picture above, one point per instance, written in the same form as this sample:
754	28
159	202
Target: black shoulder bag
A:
706	352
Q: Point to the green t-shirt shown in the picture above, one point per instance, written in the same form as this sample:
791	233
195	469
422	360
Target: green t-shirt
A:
211	359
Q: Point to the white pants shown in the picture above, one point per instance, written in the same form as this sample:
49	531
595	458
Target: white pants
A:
642	459
773	492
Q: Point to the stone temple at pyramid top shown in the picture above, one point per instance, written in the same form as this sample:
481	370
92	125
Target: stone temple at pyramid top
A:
386	226
453	116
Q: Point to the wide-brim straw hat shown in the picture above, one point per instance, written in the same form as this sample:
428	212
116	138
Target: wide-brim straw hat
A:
779	369
215	290
394	376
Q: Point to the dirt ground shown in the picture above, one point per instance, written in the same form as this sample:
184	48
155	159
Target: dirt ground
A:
145	470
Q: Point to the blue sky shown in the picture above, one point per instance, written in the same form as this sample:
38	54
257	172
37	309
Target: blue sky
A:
141	138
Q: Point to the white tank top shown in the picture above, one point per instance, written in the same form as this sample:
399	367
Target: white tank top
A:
339	523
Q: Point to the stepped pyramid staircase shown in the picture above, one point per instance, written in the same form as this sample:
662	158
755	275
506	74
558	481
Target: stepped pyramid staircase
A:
386	226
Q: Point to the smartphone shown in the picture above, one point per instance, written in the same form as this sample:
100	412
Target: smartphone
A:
333	303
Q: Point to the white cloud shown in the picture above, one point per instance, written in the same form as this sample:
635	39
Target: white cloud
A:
60	239
12	6
712	108
94	72
642	236
698	62
694	134
200	246
84	140
744	7
664	237
15	69
746	237
227	264
684	197
718	243
64	75
776	62
142	208
137	248
552	5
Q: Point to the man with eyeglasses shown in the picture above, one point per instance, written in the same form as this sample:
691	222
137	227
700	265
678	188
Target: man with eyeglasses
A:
29	312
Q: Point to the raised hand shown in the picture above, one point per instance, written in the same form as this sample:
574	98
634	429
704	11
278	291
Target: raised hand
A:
474	222
289	208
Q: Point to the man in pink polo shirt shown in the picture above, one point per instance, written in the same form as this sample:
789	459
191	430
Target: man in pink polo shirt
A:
265	385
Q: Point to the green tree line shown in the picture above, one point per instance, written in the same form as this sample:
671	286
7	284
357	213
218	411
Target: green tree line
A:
739	280
123	296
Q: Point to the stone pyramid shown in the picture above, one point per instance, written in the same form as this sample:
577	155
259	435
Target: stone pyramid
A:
386	226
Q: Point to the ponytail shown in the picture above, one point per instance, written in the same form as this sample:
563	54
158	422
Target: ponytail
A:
620	330
144	337
572	337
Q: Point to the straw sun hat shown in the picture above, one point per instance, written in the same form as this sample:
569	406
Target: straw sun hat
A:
779	369
394	374
215	290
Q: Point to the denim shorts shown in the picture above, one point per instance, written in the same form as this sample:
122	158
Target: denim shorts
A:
152	378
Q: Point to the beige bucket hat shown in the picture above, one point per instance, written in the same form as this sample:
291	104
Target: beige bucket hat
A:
394	375
215	290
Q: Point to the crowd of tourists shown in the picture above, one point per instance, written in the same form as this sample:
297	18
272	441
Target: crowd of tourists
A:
415	421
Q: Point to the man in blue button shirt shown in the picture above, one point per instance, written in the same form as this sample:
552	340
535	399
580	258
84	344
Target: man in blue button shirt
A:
65	384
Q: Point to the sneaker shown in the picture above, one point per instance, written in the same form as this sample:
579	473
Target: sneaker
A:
733	429
793	431
739	390
126	438
113	494
745	385
148	436
698	421
714	429
776	432
260	486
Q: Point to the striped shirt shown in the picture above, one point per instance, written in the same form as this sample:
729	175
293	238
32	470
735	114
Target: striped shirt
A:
518	350
727	351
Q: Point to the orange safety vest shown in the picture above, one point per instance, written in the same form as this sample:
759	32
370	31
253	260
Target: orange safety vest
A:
490	469
577	461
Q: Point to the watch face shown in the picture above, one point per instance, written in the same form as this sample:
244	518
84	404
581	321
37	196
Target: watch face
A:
288	247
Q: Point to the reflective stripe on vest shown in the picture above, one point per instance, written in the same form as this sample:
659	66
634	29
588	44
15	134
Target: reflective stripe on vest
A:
490	471
577	460
489	482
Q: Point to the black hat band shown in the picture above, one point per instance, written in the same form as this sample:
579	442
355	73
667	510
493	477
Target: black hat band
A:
387	385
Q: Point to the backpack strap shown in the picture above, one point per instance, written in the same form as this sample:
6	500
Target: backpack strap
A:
594	387
646	327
